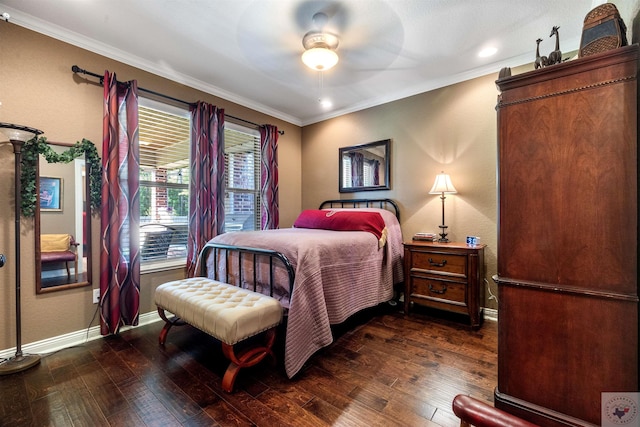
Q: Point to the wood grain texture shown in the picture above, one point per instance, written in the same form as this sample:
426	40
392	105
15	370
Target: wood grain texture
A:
383	369
568	238
445	276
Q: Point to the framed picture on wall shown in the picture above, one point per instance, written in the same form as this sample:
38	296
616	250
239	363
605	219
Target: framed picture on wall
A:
50	194
364	167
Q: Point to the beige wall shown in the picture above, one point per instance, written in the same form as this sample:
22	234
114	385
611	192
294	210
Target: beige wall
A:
38	89
452	129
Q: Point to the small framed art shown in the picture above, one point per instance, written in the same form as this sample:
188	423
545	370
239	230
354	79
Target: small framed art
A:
50	194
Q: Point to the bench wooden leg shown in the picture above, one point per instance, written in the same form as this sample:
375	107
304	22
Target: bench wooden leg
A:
245	358
168	323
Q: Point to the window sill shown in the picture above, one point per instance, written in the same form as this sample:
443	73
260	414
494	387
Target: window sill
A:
157	266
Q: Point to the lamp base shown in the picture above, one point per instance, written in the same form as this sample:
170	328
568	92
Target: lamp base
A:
18	363
443	234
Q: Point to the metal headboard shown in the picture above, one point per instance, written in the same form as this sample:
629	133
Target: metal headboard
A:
387	204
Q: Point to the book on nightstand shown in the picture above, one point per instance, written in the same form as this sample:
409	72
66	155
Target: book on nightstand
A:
425	237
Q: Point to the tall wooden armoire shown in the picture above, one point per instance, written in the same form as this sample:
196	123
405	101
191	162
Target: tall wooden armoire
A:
568	237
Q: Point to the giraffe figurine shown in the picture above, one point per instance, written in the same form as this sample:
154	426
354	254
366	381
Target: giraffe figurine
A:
541	61
555	57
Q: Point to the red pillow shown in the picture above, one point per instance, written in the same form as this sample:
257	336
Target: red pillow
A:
343	220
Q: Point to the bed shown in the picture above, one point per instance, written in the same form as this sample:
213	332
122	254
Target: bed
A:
321	276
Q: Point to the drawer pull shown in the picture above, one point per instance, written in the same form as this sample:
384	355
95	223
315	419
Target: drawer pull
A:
438	291
437	264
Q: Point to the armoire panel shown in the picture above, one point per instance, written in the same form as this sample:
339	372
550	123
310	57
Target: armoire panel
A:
568	237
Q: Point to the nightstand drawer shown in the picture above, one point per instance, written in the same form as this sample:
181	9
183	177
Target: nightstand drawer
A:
444	276
440	263
431	288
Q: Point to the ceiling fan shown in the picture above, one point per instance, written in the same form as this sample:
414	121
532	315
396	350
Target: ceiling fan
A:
320	45
365	42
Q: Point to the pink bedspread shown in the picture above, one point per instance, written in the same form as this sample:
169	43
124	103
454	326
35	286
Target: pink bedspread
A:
338	273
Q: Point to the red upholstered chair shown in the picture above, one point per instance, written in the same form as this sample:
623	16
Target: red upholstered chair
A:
59	248
473	412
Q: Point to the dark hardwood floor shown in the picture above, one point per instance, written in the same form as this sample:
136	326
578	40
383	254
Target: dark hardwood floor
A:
384	369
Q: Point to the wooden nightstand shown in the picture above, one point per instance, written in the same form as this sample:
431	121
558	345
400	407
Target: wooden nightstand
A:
446	276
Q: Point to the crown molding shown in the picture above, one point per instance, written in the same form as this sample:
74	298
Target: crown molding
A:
59	33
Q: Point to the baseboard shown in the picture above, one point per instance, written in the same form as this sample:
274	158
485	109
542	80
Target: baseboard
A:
536	414
491	314
71	339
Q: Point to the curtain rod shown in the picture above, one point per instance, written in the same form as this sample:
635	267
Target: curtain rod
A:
77	69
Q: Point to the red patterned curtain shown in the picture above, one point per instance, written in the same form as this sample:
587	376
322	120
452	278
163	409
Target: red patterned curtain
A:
120	213
357	169
269	209
376	172
206	188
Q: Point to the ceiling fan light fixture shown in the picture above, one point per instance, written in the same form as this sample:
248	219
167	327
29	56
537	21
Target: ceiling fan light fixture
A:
319	54
319	58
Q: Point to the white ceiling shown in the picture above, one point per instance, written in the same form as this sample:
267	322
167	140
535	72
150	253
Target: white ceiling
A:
248	51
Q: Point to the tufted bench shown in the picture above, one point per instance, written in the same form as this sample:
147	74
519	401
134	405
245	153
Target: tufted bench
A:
226	312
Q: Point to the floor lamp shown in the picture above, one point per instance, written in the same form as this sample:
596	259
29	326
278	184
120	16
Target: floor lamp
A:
18	135
441	186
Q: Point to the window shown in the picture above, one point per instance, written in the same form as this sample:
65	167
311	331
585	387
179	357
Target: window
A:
346	171
242	180
368	172
164	133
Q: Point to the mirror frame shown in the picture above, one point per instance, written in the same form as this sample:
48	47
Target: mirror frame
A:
386	145
87	231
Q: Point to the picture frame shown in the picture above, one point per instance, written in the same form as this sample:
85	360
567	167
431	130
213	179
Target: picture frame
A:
50	194
373	172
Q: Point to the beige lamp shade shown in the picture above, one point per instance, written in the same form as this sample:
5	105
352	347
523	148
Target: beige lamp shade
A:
442	185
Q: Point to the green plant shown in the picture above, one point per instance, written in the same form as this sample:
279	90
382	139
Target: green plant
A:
38	146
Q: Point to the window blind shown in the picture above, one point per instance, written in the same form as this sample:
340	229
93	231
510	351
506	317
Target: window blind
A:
164	134
242	178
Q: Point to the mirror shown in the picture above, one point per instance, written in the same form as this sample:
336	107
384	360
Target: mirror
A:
365	167
62	223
